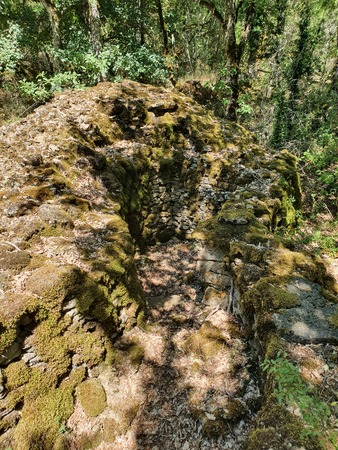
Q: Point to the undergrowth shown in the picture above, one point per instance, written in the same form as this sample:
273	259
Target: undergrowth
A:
318	235
300	398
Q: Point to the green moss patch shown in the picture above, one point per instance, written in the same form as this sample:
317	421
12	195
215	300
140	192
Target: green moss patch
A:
249	252
53	283
45	410
39	383
16	374
136	354
89	441
89	292
236	216
206	342
14	260
269	294
87	346
51	346
117	224
73	200
13	307
92	397
112	428
334	320
266	439
284	262
133	351
282	428
274	344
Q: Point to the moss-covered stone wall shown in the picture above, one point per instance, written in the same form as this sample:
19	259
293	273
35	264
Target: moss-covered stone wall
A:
87	178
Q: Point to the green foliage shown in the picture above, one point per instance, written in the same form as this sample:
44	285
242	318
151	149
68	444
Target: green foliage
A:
292	391
88	67
322	238
305	100
302	58
281	122
62	426
10	50
82	68
323	152
141	65
322	159
328	243
42	89
245	109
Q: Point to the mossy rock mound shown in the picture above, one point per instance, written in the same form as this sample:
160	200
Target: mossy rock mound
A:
85	180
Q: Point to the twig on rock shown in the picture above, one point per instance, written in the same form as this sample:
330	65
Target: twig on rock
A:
13	245
230	296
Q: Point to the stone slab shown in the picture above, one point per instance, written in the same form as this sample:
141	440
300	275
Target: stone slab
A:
310	321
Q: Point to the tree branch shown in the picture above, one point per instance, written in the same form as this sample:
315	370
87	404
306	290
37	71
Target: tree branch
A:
212	8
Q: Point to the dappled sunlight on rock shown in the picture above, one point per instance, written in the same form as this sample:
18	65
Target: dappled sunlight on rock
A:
143	281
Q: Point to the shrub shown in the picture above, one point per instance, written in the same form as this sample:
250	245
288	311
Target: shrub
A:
292	391
10	49
42	89
141	65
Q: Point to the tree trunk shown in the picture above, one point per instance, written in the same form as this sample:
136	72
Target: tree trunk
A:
231	51
54	19
94	23
163	27
142	27
234	50
233	60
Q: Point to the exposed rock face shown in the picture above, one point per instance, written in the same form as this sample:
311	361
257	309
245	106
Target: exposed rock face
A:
309	319
85	179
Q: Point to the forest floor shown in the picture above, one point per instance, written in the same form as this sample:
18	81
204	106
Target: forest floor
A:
188	379
200	400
